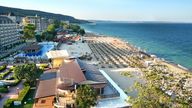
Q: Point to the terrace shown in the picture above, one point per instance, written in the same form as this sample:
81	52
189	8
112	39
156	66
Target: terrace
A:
76	50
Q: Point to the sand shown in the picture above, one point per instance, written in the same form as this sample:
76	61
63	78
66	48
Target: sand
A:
123	45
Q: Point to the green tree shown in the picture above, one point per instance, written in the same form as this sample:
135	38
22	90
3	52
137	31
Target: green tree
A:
150	97
50	37
82	32
56	23
86	97
74	27
29	31
19	72
43	35
49	34
27	71
65	25
51	28
38	37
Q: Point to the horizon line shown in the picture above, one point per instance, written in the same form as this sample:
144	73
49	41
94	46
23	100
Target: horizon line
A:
107	20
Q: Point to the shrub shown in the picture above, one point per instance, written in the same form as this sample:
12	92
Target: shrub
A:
42	68
2	68
10	78
4	89
23	93
1	77
44	65
26	84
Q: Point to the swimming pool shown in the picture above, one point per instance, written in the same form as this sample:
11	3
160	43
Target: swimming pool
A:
45	47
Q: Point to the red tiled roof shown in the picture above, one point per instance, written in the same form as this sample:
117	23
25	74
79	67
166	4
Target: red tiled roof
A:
72	70
47	87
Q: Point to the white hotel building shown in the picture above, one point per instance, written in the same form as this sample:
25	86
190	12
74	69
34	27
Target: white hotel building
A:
9	36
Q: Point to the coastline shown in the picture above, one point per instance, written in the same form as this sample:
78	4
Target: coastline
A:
127	64
166	62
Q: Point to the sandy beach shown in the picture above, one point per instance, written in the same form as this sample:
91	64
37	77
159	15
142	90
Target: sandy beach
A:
118	43
116	56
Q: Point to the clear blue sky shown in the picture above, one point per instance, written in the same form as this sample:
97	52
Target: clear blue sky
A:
119	10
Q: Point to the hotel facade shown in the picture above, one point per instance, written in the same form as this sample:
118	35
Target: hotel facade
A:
9	35
40	23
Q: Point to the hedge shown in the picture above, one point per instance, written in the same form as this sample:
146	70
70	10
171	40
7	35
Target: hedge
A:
4	89
23	93
14	83
9	102
2	68
2	75
43	66
10	78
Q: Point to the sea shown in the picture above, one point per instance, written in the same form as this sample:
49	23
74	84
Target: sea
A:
170	41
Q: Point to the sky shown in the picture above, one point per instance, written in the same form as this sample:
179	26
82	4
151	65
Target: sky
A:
116	10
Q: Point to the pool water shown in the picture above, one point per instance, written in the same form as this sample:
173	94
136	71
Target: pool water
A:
45	48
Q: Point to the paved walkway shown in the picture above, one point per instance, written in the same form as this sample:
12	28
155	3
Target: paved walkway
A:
12	91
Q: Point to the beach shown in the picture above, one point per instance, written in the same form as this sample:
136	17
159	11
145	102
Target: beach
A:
123	45
171	41
116	56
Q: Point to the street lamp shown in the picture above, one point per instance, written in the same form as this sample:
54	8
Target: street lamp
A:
18	90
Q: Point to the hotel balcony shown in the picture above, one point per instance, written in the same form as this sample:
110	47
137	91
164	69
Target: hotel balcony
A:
65	94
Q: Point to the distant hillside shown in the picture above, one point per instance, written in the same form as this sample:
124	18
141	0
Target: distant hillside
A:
24	12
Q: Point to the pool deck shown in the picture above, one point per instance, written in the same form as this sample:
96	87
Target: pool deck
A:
76	49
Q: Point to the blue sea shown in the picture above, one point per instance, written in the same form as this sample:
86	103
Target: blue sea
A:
171	41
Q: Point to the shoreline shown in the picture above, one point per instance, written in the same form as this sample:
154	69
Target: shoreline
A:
178	66
117	57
